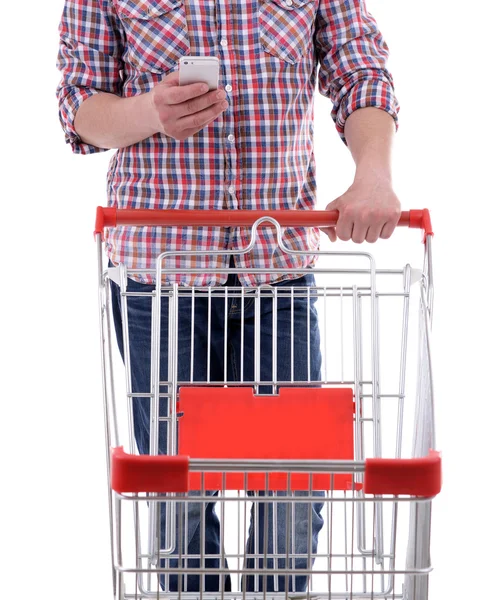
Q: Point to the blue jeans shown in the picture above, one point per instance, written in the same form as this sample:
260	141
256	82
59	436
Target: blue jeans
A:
139	323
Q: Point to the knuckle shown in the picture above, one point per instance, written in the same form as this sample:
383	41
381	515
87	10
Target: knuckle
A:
169	95
164	115
392	211
189	106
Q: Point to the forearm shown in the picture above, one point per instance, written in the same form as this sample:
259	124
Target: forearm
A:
369	133
108	121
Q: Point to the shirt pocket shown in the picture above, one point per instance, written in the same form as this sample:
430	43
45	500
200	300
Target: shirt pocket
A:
286	28
156	33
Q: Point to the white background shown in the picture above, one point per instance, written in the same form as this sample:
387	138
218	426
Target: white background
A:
54	536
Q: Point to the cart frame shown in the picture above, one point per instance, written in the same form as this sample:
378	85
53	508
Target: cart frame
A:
376	485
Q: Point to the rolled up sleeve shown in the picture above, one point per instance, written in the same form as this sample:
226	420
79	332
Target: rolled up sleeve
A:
352	55
89	59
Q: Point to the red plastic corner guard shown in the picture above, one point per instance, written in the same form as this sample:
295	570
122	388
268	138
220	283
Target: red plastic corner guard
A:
411	476
106	217
421	219
144	473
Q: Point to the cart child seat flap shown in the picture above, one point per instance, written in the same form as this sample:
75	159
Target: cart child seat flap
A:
297	424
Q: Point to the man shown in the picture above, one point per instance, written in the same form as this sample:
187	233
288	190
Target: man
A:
248	145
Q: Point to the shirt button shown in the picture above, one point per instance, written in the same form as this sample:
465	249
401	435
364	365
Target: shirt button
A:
224	42
231	189
231	137
228	88
289	2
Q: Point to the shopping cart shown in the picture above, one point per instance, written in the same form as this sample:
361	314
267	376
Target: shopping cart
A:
351	449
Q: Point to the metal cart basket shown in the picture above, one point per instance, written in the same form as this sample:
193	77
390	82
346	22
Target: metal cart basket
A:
295	480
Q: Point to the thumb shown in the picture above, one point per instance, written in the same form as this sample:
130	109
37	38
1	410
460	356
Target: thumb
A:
331	231
334	204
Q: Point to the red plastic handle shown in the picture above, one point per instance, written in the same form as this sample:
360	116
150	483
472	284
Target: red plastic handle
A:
111	217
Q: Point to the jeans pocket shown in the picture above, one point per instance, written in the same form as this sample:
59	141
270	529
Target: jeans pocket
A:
286	28
156	33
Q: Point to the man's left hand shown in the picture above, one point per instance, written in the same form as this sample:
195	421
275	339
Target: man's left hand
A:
368	210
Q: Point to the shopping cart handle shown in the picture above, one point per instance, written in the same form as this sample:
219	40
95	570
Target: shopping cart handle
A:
111	217
420	477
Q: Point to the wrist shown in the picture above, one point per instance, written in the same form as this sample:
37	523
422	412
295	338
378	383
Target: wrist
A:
379	174
144	112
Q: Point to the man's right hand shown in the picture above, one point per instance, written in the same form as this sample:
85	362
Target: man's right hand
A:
181	111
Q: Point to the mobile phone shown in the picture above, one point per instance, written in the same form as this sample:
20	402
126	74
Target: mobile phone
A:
199	69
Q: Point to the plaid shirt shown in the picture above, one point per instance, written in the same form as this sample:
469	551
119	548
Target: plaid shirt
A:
259	153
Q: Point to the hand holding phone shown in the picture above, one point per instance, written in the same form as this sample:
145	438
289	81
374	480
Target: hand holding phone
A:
180	110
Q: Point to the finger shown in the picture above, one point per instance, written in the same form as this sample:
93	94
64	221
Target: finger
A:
388	229
176	94
373	233
203	108
193	123
359	233
331	233
202	117
209	104
344	227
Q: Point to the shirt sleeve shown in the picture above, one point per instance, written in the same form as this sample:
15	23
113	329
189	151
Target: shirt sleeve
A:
352	55
89	59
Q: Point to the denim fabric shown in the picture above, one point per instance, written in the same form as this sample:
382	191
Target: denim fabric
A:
139	323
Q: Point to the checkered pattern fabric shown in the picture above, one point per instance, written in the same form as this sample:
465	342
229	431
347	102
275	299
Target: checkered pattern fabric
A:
259	153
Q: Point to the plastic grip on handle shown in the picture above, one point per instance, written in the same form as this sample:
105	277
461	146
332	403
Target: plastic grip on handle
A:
111	217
